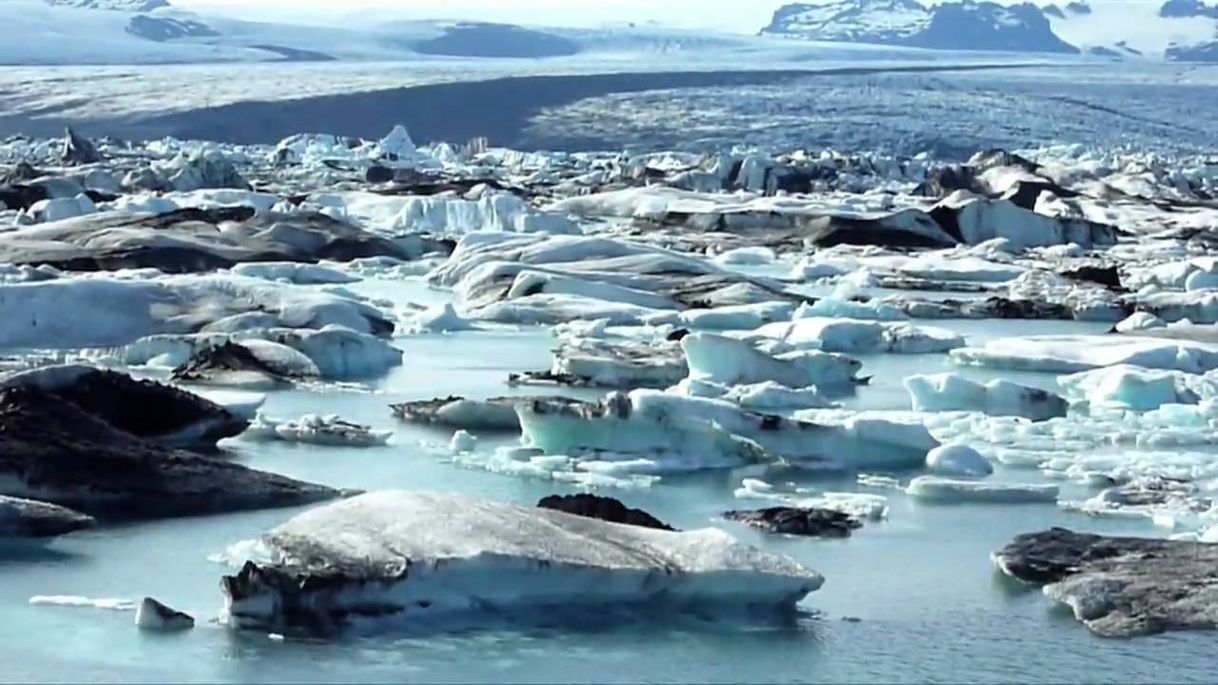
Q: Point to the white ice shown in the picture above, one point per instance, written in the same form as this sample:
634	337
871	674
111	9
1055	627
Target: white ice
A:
329	431
469	555
945	490
1072	353
954	392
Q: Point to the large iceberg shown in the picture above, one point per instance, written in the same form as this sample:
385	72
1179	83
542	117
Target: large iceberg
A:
953	392
860	337
679	433
422	558
728	361
1073	353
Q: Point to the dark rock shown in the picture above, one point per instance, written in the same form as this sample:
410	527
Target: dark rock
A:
478	39
23	518
803	522
75	459
1203	52
21	196
1107	276
22	172
1117	586
145	409
190	241
78	150
602	508
163	29
212	364
1188	8
378	174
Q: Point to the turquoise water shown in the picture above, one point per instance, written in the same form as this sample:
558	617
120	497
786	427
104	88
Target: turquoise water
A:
910	599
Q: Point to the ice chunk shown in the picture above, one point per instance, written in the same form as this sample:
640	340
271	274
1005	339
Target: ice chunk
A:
837	308
152	615
301	274
958	460
728	361
398	144
936	489
1129	387
774	396
860	337
1140	321
1073	353
469	556
462	442
439	319
330	431
954	392
747	256
83	602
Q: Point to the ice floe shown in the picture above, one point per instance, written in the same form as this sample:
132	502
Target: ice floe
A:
469	556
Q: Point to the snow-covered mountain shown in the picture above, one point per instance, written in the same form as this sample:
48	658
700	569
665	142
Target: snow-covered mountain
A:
154	31
1178	30
113	5
949	26
1181	30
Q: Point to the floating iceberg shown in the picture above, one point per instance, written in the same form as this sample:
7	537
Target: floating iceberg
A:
860	337
1135	388
1073	353
954	392
946	490
958	460
728	361
421	558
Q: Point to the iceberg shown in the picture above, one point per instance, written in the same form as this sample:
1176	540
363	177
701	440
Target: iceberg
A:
730	362
948	491
693	433
1074	353
958	460
860	337
953	392
1134	388
329	431
422	558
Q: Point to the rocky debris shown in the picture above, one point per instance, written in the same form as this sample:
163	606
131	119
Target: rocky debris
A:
24	518
602	509
1120	586
152	615
145	409
230	363
78	149
60	453
494	414
823	523
191	241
